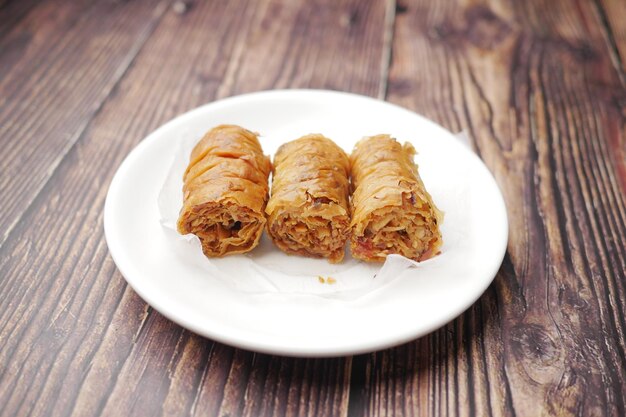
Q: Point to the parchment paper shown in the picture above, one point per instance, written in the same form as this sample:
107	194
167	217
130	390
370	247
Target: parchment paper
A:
267	270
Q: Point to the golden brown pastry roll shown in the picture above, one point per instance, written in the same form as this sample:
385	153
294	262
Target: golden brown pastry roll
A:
225	191
308	212
391	210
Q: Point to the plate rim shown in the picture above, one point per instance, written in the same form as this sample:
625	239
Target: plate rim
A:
410	333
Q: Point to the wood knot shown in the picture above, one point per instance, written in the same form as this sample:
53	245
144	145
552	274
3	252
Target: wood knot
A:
534	345
484	28
401	87
480	27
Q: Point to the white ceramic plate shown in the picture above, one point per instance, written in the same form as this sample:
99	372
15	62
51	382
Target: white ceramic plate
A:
417	301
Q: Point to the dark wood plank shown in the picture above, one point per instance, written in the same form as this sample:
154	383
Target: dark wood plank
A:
57	66
534	86
12	12
75	339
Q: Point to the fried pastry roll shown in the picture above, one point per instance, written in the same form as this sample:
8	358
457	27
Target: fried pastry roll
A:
392	213
308	211
225	191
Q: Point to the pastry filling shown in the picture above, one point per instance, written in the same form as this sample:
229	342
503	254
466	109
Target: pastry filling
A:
223	229
311	235
397	230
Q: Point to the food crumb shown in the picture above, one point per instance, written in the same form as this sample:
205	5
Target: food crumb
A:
321	279
331	280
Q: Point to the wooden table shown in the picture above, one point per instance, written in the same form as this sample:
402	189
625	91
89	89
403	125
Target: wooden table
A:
539	86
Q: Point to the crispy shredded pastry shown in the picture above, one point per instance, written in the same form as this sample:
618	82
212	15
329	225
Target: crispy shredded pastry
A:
225	191
392	213
308	212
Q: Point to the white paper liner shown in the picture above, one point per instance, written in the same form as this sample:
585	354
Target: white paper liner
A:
267	270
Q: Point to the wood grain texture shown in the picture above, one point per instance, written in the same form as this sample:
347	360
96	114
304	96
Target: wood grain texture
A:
277	52
12	12
75	339
539	87
534	86
57	66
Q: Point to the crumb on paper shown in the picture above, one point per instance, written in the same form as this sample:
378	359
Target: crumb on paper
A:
321	279
331	280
